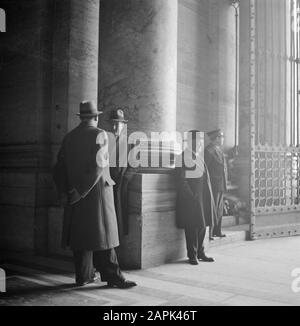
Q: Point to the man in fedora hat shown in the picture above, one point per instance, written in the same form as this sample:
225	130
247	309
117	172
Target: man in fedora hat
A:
119	167
90	226
216	164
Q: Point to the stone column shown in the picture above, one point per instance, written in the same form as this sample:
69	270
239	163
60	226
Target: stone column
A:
75	57
138	72
75	79
25	94
221	31
243	164
138	61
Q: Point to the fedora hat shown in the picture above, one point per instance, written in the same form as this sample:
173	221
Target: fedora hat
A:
117	115
88	109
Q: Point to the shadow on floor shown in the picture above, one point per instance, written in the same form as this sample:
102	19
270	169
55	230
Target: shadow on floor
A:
22	288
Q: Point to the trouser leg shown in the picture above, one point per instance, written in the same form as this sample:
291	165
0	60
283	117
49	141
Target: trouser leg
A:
201	237
218	227
84	269
106	263
118	208
191	236
220	208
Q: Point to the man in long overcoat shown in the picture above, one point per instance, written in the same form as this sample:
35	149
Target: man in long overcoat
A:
216	164
90	227
192	181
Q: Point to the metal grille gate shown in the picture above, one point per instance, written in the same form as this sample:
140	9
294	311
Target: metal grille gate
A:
275	118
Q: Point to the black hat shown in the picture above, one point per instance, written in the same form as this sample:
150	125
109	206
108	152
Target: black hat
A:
215	133
117	115
88	109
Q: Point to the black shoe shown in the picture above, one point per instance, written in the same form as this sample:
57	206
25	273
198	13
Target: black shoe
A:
211	239
193	262
121	284
206	259
93	280
221	235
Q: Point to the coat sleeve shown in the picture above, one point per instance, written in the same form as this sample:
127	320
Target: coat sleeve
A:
209	201
97	161
208	158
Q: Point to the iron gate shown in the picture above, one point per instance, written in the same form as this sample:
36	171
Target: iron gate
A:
275	118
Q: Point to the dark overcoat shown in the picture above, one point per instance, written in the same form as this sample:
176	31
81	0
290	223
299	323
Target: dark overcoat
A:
90	222
216	164
192	209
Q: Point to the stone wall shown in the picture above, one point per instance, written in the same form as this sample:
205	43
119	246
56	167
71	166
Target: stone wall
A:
138	62
206	61
193	67
25	94
49	57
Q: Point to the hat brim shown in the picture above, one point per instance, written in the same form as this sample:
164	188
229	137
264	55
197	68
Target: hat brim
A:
89	114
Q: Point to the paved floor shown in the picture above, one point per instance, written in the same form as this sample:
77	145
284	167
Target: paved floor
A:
249	273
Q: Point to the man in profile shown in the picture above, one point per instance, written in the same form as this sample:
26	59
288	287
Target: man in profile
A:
82	176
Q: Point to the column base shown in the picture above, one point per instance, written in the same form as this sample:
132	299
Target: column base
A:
153	238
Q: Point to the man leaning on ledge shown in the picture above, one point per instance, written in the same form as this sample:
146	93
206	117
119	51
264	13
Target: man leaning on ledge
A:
83	182
192	214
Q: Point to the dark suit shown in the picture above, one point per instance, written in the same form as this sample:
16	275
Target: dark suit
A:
90	224
191	212
216	164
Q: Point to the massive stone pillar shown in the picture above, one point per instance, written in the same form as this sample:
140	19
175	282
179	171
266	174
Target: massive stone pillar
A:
138	61
75	78
25	93
138	72
244	163
221	51
75	59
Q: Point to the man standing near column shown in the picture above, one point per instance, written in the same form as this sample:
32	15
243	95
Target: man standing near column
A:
216	164
192	180
82	175
118	168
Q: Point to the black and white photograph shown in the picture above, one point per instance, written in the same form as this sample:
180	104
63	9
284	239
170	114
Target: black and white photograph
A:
149	155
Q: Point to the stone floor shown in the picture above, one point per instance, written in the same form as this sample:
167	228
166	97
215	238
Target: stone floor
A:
249	273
